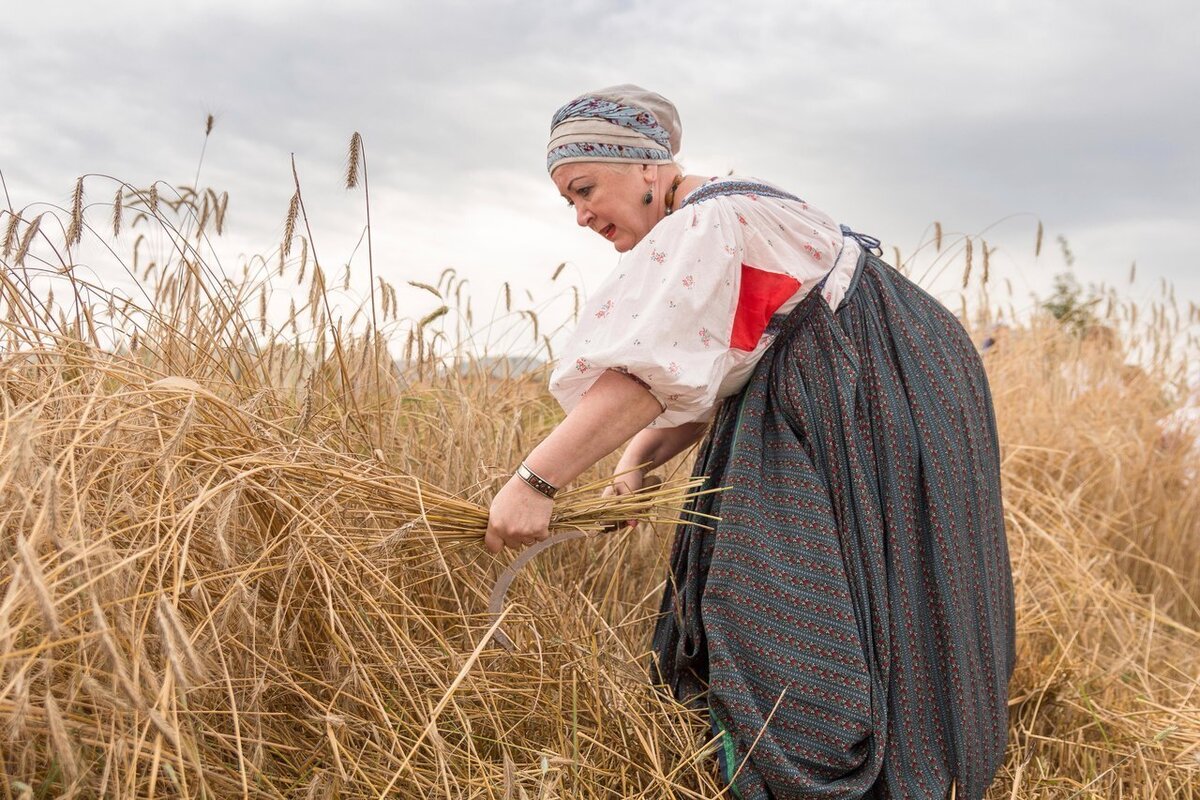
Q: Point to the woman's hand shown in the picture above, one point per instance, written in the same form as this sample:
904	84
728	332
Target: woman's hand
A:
631	481
615	408
519	515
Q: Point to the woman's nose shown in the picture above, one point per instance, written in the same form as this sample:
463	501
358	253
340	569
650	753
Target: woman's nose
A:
583	215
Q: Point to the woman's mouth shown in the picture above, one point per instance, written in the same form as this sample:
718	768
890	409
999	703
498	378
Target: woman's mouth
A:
609	231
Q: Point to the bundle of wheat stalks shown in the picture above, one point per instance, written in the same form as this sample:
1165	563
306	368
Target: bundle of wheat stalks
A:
239	562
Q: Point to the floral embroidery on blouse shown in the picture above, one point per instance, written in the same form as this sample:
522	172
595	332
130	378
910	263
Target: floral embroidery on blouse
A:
685	277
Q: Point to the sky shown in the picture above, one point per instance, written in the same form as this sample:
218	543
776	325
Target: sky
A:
985	116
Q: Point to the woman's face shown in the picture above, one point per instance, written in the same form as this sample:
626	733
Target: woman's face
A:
609	199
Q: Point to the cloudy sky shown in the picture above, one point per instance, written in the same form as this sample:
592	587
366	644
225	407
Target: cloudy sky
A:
986	116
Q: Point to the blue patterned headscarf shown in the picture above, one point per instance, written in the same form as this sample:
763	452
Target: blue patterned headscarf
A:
619	123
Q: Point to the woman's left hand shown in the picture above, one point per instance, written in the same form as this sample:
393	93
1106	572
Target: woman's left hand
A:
519	516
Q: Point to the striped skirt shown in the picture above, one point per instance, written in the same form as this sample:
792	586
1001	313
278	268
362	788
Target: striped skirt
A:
848	623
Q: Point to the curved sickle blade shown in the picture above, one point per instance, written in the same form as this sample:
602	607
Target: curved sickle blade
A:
500	589
496	603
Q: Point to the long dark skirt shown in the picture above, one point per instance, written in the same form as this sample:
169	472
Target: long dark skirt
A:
848	623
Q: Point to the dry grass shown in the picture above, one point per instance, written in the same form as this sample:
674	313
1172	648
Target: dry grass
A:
238	564
1101	509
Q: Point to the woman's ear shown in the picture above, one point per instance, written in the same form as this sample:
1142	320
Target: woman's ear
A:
650	173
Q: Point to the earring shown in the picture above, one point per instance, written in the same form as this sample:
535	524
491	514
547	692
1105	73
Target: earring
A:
648	197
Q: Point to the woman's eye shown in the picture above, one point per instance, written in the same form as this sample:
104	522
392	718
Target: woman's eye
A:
583	191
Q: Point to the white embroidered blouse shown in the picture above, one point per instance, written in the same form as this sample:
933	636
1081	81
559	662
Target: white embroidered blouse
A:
686	310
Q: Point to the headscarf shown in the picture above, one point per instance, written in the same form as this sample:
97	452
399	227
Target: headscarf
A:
618	123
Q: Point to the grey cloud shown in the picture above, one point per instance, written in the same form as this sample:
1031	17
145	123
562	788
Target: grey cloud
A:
891	114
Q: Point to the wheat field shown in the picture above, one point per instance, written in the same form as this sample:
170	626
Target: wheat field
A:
240	551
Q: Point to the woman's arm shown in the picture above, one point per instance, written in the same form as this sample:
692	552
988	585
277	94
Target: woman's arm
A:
614	409
653	447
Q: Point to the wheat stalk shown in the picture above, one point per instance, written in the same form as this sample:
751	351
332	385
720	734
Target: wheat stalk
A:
352	160
289	227
118	205
75	229
27	240
967	270
10	235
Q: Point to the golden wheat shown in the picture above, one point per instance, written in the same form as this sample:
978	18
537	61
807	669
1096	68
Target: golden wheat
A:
352	160
23	248
75	229
10	235
236	564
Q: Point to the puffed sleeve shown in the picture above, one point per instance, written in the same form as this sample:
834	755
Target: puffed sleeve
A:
664	316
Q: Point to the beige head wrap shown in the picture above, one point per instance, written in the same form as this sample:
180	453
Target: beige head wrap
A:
618	123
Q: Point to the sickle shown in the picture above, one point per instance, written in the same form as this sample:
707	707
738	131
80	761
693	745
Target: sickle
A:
500	589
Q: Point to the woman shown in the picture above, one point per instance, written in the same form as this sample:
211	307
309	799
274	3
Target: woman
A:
848	623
